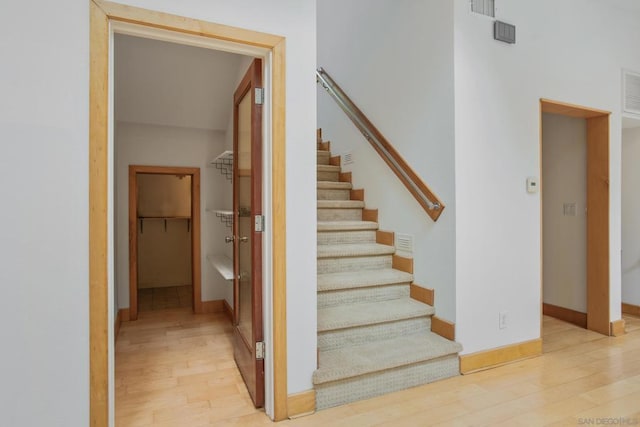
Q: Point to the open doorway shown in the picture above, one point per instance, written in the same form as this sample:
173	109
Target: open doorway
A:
164	239
105	20
174	105
575	216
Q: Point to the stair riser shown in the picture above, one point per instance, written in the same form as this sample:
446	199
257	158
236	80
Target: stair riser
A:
323	157
324	194
388	381
331	340
328	176
369	294
341	265
332	214
339	237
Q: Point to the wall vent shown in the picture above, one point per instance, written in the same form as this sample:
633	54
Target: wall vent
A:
631	90
484	7
404	243
347	158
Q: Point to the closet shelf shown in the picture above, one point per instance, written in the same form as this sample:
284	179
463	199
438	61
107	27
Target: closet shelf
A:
223	264
165	219
224	163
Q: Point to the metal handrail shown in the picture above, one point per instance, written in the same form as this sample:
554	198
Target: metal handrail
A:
432	205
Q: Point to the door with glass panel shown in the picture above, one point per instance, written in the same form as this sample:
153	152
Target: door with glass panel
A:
247	231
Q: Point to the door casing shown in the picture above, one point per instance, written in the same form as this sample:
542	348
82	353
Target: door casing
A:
598	287
104	16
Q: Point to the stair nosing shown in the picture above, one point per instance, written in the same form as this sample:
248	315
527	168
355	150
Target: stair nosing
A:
327	168
351	250
375	313
328	374
346	225
340	204
356	279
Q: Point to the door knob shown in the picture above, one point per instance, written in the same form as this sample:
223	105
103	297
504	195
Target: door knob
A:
229	239
244	239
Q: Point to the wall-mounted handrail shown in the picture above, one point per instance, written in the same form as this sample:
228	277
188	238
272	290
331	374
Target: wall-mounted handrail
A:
420	191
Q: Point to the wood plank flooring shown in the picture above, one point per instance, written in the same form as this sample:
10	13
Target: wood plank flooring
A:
174	368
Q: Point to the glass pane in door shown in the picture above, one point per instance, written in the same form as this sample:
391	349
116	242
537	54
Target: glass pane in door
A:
244	223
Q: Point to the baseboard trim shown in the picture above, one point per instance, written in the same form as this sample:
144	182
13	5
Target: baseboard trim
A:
402	263
634	310
566	314
121	316
301	404
617	328
444	328
421	294
228	310
385	237
215	306
486	359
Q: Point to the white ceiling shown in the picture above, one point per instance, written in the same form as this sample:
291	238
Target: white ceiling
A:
170	84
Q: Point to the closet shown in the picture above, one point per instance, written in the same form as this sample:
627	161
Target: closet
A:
164	241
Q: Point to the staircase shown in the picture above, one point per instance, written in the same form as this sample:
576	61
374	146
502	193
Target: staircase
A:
373	338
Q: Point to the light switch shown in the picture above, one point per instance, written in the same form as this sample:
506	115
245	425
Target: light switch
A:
532	184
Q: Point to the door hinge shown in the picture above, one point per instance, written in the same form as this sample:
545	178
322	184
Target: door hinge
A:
260	350
259	223
259	94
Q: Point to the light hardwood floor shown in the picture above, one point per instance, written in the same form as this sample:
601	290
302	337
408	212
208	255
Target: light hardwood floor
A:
174	368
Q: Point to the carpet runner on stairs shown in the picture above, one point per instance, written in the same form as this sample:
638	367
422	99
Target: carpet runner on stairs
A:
372	337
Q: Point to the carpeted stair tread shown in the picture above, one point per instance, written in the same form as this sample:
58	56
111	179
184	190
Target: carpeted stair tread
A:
354	250
328	168
382	355
370	313
346	225
340	204
362	279
334	185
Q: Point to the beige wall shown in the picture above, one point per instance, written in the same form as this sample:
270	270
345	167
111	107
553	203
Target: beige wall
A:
164	243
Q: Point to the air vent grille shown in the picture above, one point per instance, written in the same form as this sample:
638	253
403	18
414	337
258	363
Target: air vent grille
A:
631	88
484	7
404	243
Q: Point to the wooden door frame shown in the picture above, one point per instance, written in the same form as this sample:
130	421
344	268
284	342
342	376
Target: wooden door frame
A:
101	14
598	281
196	262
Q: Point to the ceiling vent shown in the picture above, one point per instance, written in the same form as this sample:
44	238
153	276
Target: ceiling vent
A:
631	92
484	7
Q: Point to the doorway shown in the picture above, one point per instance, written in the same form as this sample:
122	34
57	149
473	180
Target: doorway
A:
583	216
105	19
167	201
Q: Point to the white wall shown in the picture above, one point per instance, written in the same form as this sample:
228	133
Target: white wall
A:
44	316
295	20
141	144
571	51
631	216
395	61
564	238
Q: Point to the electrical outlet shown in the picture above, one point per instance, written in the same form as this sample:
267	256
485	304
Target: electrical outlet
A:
502	320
